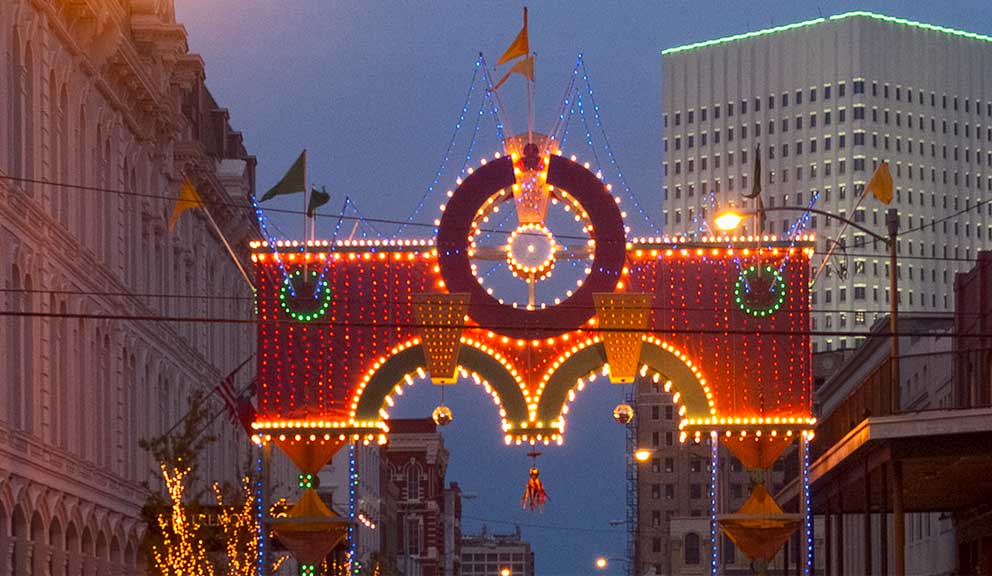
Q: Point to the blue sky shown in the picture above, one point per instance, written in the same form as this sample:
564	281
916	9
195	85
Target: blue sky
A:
373	91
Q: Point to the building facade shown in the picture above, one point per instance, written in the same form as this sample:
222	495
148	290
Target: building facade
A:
103	111
365	462
489	554
827	100
417	463
676	483
973	324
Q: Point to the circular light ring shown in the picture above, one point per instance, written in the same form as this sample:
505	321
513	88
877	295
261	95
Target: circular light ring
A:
295	306
543	258
776	287
609	253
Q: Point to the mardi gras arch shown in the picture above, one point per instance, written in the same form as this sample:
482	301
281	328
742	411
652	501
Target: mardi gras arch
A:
720	322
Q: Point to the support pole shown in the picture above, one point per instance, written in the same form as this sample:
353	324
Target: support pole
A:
892	221
883	521
867	521
840	534
828	536
898	519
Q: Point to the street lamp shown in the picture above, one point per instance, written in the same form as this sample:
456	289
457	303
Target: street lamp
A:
643	454
504	572
602	562
730	219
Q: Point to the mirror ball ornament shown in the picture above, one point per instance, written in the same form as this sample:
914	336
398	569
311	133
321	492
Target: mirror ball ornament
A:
623	414
442	415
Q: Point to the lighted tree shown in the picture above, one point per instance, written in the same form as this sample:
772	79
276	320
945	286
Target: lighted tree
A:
239	530
181	551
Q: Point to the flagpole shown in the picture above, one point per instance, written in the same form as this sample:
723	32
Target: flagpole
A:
230	251
530	106
306	189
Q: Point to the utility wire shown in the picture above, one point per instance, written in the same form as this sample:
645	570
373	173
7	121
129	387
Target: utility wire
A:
247	206
550	329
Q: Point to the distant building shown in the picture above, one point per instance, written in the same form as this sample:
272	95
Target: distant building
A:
487	554
453	529
417	463
335	488
675	482
827	100
973	325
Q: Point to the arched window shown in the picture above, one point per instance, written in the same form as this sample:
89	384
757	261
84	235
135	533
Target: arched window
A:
690	551
413	482
16	83
28	111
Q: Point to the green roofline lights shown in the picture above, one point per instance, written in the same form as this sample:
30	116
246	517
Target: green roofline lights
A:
320	299
881	17
767	309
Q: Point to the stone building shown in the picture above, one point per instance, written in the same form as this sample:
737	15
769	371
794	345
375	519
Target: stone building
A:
490	553
102	111
417	463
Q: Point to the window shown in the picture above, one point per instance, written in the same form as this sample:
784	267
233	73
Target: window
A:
826	92
696	464
859	86
691	549
859	113
678	118
413	482
859	292
695	491
812	94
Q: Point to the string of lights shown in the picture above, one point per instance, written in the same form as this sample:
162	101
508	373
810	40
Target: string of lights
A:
555	329
447	153
609	149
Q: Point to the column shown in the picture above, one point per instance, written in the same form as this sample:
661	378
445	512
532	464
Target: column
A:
828	536
840	533
883	521
898	519
867	520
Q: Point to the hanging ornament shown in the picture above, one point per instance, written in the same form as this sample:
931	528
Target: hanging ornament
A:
623	414
442	415
534	495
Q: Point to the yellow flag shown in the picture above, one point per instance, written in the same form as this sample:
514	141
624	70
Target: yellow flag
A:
188	198
524	67
881	184
520	46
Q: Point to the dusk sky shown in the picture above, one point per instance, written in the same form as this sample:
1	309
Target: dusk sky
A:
373	91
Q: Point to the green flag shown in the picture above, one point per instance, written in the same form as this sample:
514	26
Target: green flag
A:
293	182
317	199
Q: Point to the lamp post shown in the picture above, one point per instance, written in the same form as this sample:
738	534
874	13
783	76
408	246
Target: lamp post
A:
729	220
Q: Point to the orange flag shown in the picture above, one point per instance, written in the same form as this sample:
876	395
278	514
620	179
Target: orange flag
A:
188	198
520	46
524	67
881	184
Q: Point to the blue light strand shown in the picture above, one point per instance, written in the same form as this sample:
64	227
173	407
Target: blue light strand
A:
609	150
475	134
258	514
796	228
566	101
714	533
567	124
356	566
447	153
260	218
495	104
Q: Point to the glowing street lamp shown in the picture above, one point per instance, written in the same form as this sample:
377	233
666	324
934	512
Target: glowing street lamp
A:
728	220
504	572
643	454
601	562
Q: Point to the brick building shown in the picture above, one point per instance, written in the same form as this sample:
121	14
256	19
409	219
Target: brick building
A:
417	462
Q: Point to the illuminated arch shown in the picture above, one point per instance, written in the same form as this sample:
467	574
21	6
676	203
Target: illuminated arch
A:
475	361
686	379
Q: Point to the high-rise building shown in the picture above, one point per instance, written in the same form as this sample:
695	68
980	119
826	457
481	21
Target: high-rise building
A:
102	111
827	100
417	463
495	554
